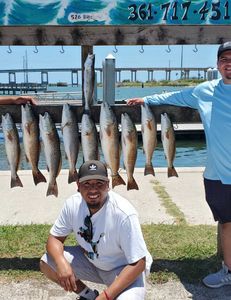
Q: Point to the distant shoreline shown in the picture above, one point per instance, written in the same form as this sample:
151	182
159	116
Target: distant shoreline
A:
183	82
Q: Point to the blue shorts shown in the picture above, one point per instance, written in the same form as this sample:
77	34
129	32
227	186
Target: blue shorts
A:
85	270
218	197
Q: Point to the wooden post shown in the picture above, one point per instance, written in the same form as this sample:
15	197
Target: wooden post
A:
85	50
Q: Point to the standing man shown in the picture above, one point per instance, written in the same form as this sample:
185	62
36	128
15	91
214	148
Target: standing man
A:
213	101
111	249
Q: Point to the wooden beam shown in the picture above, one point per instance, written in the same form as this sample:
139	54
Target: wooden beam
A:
177	114
114	35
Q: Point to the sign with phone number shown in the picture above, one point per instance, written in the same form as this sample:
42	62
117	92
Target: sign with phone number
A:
170	12
180	12
117	12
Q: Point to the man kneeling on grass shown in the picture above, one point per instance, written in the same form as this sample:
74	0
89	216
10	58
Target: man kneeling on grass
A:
111	248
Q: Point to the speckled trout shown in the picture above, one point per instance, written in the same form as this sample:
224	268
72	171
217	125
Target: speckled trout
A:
89	80
168	141
149	133
109	138
52	151
70	133
12	148
30	130
129	149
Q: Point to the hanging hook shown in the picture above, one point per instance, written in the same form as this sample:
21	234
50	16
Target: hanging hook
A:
62	50
36	49
195	49
115	49
168	50
141	49
9	50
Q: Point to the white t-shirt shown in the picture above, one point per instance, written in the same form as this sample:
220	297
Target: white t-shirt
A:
116	231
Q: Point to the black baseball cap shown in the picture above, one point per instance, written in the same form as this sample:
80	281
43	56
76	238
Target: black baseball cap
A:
93	169
224	47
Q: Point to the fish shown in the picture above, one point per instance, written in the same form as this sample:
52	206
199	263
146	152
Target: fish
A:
52	151
149	137
129	149
31	142
109	138
89	138
169	144
70	131
12	147
89	81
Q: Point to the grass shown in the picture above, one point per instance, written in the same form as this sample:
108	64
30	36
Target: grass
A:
166	201
180	252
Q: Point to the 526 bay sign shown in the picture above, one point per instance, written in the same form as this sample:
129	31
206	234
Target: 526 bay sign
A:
180	12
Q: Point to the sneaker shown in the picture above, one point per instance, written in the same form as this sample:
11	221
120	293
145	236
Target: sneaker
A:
219	279
83	298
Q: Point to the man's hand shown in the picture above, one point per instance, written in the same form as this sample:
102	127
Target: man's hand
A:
25	99
135	101
66	276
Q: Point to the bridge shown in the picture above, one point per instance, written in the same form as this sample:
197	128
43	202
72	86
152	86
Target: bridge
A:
76	73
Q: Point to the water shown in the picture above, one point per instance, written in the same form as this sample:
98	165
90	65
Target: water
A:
189	153
121	93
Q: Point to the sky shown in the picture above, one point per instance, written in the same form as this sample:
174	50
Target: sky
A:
126	56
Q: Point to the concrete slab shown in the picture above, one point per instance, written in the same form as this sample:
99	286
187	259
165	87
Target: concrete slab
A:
29	205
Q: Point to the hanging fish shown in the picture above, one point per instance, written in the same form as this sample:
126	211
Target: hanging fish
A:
109	137
52	151
30	129
169	144
89	138
70	133
12	148
149	137
129	148
89	81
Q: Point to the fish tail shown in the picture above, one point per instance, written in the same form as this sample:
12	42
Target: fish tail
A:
52	189
15	182
172	172
149	170
117	180
73	176
132	185
38	177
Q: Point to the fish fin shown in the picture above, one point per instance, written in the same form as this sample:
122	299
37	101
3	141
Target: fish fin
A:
27	160
108	131
27	127
172	172
117	180
66	156
73	176
10	137
132	185
38	177
52	189
149	170
149	125
15	182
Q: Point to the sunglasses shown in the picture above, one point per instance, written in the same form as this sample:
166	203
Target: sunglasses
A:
88	232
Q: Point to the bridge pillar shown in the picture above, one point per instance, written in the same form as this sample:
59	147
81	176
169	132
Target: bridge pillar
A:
12	77
187	74
133	75
118	76
44	77
74	74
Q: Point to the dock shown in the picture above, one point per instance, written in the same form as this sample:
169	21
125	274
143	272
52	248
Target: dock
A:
21	88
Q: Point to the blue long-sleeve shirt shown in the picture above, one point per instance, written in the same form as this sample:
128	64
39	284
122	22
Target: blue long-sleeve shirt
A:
212	99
